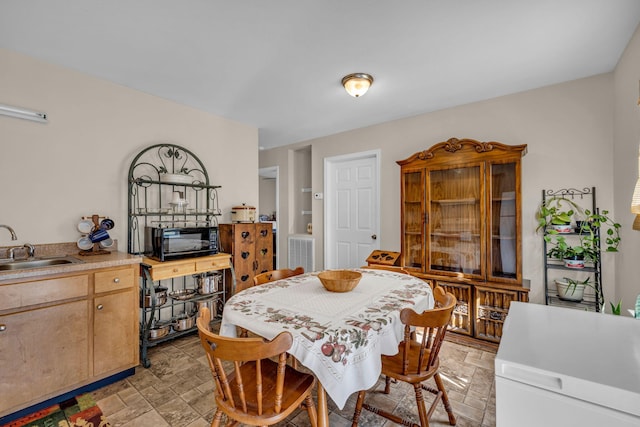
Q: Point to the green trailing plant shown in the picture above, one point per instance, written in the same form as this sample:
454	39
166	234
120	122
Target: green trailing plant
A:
556	210
561	210
561	249
608	227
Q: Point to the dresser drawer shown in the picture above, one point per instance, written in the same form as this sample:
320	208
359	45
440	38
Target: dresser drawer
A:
112	280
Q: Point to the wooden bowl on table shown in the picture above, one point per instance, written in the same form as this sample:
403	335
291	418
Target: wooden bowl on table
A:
340	280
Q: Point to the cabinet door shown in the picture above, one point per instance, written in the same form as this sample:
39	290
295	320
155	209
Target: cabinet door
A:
244	254
264	248
115	334
492	309
504	226
413	219
42	352
461	319
455	226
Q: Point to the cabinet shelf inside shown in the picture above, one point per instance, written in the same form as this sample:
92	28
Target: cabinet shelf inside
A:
455	235
467	201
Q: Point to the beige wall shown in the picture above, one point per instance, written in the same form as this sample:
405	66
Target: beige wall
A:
568	129
77	164
626	141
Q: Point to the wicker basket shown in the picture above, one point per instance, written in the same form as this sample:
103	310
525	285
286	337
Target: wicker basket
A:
340	280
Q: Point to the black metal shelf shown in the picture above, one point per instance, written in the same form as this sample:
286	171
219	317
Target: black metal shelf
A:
150	205
593	301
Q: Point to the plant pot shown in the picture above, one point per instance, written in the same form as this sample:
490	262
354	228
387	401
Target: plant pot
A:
570	292
574	262
562	228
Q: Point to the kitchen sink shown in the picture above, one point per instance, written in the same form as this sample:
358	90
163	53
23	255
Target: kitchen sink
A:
37	263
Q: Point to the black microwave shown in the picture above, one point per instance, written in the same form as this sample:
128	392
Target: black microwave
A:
165	244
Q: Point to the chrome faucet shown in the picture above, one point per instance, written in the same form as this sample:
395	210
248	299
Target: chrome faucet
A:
30	249
13	233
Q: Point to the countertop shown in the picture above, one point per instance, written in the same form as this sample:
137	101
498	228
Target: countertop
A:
90	262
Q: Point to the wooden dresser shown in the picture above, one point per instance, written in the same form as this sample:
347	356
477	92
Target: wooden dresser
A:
251	249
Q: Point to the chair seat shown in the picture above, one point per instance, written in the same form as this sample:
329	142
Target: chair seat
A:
298	386
392	366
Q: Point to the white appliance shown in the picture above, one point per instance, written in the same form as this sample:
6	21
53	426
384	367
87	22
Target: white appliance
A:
562	367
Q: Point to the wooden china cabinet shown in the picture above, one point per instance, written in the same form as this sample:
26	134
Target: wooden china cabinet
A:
461	228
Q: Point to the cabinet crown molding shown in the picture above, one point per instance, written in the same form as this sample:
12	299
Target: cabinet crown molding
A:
453	145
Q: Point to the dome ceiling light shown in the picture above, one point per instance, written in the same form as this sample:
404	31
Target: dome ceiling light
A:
357	84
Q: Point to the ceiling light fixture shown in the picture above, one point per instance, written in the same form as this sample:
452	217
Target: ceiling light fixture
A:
21	113
357	84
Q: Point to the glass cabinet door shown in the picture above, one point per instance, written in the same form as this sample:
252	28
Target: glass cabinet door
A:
455	226
504	222
413	219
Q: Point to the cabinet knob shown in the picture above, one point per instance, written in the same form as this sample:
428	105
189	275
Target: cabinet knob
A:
244	234
116	280
3	328
374	236
100	307
175	270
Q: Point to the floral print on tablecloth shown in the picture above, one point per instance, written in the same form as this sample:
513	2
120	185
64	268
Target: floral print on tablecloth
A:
338	343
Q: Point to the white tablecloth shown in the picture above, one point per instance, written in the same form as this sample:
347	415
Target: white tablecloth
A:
338	336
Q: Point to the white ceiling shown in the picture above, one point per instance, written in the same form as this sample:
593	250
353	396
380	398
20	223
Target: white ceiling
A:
277	64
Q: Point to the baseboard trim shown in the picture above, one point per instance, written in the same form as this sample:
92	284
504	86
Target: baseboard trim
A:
472	342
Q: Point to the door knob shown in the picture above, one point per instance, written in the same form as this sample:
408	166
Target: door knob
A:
374	237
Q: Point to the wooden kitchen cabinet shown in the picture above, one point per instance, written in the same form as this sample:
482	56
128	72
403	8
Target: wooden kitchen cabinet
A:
43	352
461	226
55	339
115	330
251	248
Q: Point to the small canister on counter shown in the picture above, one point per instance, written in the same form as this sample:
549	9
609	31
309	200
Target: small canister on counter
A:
243	213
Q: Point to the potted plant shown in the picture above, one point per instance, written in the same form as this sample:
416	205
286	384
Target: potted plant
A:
571	289
555	214
560	210
573	256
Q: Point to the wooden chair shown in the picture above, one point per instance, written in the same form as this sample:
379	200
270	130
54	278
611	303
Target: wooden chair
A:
256	390
272	275
417	360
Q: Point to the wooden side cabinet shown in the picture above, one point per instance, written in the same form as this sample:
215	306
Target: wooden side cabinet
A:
461	227
251	248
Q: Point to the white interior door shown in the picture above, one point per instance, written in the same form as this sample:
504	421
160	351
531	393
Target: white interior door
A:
352	206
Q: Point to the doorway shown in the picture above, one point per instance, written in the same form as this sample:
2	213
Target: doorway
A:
268	202
352	208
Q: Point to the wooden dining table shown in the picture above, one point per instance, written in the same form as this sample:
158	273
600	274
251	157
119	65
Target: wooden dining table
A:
340	337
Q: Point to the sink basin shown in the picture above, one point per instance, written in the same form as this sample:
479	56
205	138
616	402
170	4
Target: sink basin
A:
37	263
